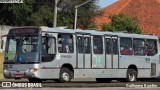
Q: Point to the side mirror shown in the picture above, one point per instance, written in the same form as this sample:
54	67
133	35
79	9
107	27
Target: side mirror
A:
2	44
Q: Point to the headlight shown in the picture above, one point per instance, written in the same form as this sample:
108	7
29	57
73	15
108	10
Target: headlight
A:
33	70
5	70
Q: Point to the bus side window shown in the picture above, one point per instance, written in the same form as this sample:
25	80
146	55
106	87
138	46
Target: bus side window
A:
80	44
83	45
43	47
48	49
97	45
114	46
151	47
87	45
51	46
126	46
65	43
108	46
139	47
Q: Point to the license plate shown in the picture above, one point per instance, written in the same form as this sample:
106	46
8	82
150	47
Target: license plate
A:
18	76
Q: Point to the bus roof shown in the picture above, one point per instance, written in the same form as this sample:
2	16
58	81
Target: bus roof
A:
94	32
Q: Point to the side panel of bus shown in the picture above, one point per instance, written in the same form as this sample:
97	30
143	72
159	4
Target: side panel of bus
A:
134	52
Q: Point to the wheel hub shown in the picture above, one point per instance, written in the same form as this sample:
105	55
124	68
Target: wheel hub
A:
131	77
65	76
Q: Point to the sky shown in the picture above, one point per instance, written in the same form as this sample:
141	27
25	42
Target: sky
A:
104	3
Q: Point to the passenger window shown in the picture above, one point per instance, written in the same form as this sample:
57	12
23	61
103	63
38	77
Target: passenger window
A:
97	45
83	44
139	47
48	49
87	45
65	43
114	46
126	46
108	46
151	47
51	46
80	44
111	46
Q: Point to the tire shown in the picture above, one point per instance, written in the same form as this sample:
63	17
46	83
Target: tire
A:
103	80
131	75
65	75
34	80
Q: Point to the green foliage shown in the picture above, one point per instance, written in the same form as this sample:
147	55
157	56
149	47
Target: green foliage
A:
43	16
16	14
108	27
121	22
41	13
64	19
84	15
91	26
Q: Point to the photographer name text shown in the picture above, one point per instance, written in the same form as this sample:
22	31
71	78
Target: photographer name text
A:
141	85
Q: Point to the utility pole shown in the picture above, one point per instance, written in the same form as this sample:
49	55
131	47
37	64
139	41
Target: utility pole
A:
55	14
76	9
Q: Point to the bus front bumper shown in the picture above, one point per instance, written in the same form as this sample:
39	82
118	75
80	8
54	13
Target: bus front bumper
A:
19	74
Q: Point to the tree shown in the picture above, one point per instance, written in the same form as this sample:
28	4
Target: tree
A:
41	13
43	16
16	14
85	12
121	22
91	26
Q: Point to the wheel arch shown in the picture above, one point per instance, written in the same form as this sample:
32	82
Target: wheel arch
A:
132	66
69	66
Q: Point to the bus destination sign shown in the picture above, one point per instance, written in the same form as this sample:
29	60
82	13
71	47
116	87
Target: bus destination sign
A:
22	31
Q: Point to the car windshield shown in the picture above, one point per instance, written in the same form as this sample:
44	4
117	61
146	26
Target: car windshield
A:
22	49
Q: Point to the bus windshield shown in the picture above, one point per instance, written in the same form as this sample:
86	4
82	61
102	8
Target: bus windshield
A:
22	48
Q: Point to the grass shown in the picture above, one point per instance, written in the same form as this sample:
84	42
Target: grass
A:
1	65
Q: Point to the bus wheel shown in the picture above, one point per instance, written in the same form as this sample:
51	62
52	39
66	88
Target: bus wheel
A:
34	80
103	80
131	75
65	75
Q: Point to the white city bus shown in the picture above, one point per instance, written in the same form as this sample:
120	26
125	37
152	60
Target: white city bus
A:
42	53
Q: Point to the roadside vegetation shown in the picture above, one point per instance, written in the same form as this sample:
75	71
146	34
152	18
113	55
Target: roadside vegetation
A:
1	65
122	23
41	13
